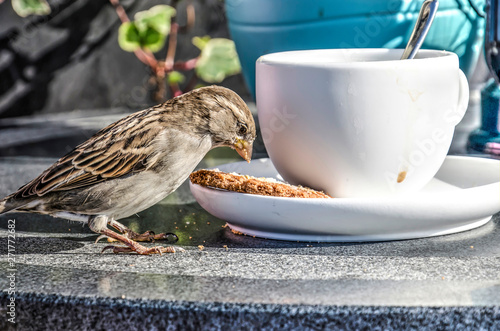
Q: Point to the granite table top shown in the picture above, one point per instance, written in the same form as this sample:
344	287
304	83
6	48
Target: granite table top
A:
227	281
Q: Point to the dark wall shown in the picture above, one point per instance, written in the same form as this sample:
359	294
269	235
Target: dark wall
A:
71	58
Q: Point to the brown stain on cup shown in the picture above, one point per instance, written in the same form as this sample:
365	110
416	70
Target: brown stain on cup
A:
401	176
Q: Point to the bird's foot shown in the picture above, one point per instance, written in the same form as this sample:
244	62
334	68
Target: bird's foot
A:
132	246
141	250
148	236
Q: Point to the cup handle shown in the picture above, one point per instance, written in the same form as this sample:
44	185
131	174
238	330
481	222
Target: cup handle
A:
463	98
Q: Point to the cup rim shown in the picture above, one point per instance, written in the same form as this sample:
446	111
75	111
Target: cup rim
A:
352	57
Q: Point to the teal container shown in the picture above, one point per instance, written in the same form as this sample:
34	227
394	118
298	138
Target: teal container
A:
260	27
489	132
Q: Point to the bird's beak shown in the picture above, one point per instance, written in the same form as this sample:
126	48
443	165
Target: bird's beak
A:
244	148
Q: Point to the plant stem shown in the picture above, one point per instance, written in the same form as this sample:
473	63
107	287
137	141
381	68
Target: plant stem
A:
175	90
145	57
192	82
120	11
186	65
190	18
160	92
172	46
159	68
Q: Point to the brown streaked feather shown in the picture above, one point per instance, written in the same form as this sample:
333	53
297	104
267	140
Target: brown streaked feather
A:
82	180
130	146
151	152
120	149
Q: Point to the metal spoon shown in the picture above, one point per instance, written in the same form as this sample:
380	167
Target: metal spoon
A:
424	21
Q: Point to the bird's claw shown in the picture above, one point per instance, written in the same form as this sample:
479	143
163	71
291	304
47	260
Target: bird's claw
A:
118	249
146	236
165	236
151	236
102	237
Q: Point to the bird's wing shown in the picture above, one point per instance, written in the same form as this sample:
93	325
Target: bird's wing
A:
122	148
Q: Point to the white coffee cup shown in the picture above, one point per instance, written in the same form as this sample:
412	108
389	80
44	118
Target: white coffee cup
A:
359	122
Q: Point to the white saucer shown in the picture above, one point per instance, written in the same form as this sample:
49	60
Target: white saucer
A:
463	195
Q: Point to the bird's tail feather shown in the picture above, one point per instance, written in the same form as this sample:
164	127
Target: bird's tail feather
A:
3	209
7	205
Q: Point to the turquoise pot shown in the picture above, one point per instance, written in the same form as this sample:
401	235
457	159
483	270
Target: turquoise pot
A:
260	27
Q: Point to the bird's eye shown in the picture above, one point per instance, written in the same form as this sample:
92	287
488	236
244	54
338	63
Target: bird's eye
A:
243	129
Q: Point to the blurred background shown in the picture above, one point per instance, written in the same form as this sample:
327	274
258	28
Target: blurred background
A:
65	73
70	58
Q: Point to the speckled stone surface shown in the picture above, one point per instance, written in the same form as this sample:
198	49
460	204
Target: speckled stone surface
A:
76	313
225	281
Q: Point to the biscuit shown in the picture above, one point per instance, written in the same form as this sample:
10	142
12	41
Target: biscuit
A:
252	185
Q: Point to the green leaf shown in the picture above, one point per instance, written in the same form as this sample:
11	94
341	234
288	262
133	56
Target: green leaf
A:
157	18
129	38
218	60
152	40
201	42
149	30
25	8
175	77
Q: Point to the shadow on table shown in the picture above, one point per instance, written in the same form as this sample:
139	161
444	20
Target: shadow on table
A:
37	245
195	227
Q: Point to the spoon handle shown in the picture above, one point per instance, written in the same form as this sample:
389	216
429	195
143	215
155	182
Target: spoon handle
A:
424	21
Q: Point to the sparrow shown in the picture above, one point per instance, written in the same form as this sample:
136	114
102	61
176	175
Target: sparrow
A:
135	162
